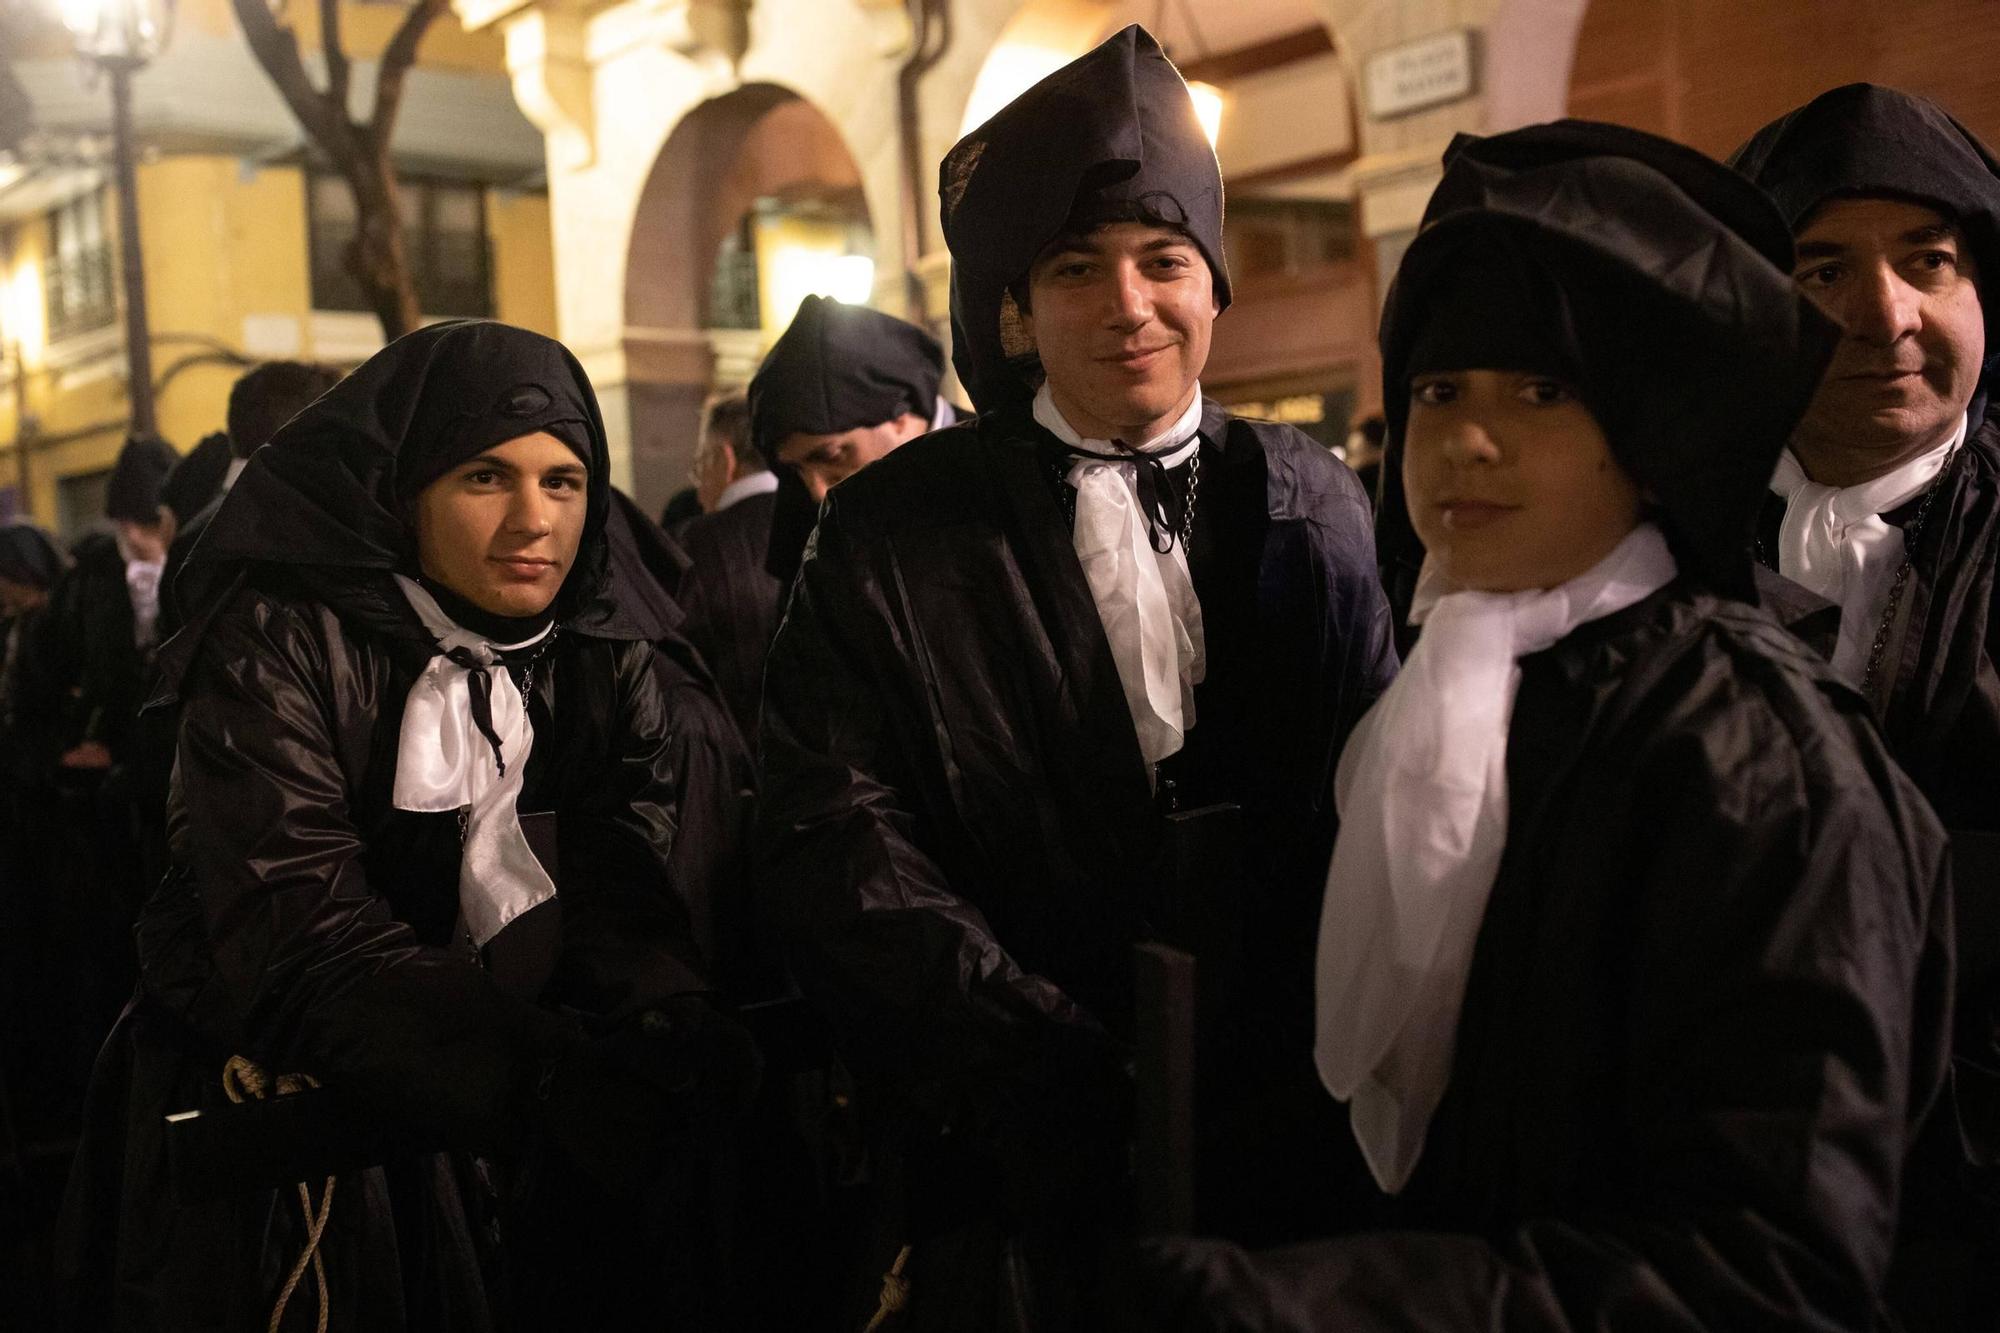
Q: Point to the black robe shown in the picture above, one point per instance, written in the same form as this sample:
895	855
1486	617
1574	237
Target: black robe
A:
732	600
1707	1010
1941	719
310	926
960	846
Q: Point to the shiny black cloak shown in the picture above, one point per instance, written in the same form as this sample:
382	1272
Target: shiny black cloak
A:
960	846
309	926
1708	1007
1939	706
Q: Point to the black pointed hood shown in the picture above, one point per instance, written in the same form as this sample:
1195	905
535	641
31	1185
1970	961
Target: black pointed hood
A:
838	367
1115	126
1654	281
133	493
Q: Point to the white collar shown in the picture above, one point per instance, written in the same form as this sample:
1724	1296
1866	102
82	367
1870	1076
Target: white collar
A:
1878	495
1422	795
757	483
1178	440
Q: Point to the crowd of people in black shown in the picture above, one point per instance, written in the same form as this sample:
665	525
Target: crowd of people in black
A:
443	898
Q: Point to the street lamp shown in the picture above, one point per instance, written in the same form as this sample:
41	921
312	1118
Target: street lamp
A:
120	37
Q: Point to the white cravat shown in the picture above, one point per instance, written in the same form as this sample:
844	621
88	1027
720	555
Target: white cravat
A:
142	585
444	763
1422	793
1145	599
1835	543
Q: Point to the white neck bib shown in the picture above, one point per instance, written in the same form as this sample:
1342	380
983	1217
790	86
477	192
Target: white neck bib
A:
1835	543
444	762
1144	598
1422	791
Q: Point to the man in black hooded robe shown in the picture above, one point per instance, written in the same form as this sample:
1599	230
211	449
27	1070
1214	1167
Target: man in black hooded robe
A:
1888	503
843	386
1703	999
362	904
978	749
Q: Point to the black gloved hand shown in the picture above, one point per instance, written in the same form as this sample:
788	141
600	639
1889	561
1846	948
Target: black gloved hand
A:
621	1104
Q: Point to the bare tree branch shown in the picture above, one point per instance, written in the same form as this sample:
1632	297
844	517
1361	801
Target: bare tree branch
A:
394	68
277	50
336	54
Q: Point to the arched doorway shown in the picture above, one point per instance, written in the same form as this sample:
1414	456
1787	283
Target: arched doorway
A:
1710	72
753	203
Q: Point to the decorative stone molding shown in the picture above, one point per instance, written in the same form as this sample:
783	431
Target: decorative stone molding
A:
547	58
698	28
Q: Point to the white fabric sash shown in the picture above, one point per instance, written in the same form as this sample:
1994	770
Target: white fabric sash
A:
1835	543
1145	599
444	763
1422	793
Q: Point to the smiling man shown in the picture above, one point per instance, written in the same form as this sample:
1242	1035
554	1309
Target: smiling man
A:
1888	503
1036	662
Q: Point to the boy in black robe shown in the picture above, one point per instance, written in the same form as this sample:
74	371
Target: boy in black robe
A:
418	688
1017	646
1635	963
1887	502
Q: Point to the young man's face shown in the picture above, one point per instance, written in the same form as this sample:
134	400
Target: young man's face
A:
501	530
1900	281
1510	481
823	461
145	542
1121	321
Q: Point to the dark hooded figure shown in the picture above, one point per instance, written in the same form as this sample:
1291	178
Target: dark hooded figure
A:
1634	966
1038	669
75	693
1887	502
32	974
422	827
842	387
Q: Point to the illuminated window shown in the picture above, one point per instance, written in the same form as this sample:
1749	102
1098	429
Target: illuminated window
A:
82	292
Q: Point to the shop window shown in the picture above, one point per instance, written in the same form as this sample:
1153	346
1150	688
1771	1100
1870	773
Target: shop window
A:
80	503
444	239
82	293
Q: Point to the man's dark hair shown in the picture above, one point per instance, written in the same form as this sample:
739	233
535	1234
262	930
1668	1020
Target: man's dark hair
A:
268	396
1094	214
728	421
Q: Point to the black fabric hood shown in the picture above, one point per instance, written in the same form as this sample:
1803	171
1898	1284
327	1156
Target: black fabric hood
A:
839	367
328	496
197	477
1863	139
133	493
1115	126
27	556
1660	281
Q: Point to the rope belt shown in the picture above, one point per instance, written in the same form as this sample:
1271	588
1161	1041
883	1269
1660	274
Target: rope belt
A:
895	1293
245	1081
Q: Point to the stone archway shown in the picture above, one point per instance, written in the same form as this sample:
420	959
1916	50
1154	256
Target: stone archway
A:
757	142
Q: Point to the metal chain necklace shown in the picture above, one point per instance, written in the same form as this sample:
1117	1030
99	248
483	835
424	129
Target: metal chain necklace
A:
1059	472
1911	536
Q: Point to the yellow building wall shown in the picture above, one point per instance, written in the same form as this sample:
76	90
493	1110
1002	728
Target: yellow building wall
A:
225	243
524	280
225	246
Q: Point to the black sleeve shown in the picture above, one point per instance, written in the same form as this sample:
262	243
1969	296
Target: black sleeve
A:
628	920
918	990
1783	1011
321	975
